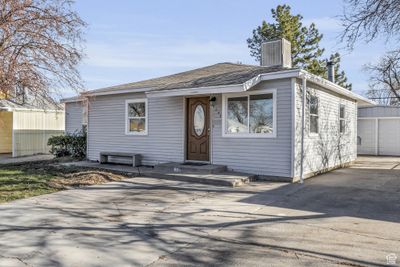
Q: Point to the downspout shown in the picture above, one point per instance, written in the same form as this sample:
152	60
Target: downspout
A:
303	126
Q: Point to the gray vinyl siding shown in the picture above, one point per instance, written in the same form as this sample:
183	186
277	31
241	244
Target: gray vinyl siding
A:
262	156
328	148
379	111
73	117
164	142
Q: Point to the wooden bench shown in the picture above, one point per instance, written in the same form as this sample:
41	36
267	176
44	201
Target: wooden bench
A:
136	158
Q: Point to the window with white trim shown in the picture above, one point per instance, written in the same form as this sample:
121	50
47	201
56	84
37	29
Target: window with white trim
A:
342	120
136	117
313	110
249	115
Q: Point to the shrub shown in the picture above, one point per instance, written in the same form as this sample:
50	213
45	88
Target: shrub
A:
73	145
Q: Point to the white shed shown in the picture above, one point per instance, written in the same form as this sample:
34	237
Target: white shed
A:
25	130
378	131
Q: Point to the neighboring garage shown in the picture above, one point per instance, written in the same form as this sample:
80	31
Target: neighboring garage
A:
378	131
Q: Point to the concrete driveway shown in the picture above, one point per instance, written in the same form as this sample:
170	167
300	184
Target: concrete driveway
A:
346	217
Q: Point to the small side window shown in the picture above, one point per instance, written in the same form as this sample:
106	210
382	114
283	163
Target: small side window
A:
313	109
342	120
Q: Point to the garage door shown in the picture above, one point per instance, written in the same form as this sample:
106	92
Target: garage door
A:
366	131
378	137
389	137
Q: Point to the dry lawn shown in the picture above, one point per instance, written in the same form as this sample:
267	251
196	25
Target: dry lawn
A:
38	178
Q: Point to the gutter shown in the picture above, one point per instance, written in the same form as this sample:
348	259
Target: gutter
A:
336	88
298	73
303	127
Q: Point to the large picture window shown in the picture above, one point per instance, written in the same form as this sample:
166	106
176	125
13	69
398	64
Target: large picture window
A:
136	117
250	115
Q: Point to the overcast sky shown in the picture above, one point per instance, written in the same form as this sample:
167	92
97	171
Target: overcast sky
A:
134	40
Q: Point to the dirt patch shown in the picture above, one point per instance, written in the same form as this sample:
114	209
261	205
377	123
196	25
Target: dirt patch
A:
28	179
64	177
85	178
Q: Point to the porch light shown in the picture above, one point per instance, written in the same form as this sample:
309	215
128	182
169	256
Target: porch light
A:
212	101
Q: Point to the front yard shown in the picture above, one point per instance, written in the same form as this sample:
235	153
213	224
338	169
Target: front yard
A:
347	217
33	179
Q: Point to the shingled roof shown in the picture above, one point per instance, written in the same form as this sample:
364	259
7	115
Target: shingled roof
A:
213	75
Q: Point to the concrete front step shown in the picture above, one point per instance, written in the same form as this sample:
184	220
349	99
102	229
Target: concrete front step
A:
223	178
174	167
231	179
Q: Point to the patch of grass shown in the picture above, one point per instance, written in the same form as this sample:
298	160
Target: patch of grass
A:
16	183
37	178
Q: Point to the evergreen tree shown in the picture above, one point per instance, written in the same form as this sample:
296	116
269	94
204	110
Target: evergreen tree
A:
306	52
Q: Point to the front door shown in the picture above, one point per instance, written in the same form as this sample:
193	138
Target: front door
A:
198	126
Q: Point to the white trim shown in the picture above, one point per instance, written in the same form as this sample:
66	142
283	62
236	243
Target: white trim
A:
383	118
271	76
313	134
114	92
250	135
303	126
298	73
197	91
293	135
146	117
342	119
335	88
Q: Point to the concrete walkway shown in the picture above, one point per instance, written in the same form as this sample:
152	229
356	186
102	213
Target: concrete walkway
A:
349	217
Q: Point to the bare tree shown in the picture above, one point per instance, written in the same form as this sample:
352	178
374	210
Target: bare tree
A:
385	75
367	19
40	47
382	96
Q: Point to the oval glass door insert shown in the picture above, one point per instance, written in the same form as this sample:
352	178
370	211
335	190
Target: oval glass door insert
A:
199	120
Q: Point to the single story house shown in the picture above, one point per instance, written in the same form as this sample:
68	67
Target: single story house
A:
25	127
379	131
252	119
